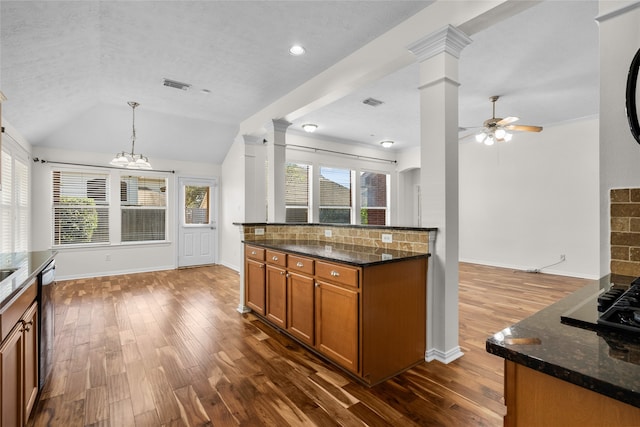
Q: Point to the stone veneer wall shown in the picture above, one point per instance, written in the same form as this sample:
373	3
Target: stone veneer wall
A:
408	240
625	231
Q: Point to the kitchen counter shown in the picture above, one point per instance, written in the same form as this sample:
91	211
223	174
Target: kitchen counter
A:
360	256
28	265
563	341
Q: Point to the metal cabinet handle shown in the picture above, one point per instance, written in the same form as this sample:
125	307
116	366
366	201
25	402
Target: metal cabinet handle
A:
317	284
261	265
282	273
26	326
288	275
275	258
299	264
335	273
253	252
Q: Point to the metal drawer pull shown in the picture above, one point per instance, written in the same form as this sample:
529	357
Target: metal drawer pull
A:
261	265
299	264
282	273
253	252
275	258
334	273
317	284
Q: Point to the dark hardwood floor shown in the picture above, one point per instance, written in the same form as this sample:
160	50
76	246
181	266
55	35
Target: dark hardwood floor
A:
169	348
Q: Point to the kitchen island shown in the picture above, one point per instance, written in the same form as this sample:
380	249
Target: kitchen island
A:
562	369
363	308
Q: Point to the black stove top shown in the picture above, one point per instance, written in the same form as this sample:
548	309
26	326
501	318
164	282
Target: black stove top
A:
620	309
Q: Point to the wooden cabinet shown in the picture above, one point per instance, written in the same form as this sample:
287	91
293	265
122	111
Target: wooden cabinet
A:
254	269
534	398
276	310
336	317
300	298
19	370
369	320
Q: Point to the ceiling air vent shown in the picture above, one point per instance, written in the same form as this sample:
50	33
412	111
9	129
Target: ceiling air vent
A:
176	85
372	101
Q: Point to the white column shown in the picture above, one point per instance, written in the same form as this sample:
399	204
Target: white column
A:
438	55
276	159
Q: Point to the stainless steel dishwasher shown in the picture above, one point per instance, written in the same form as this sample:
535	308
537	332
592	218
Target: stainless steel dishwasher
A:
46	280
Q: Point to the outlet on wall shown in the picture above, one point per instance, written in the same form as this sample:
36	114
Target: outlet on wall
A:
387	238
327	233
259	232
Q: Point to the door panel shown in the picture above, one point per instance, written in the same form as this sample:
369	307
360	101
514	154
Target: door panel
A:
198	209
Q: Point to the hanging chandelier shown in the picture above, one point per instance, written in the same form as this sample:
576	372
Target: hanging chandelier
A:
131	160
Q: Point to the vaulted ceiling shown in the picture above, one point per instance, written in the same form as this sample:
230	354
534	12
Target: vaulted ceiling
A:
68	69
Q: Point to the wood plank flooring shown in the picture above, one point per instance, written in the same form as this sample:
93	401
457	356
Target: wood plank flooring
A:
169	349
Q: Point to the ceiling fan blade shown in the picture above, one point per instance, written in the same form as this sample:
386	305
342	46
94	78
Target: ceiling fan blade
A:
524	128
507	120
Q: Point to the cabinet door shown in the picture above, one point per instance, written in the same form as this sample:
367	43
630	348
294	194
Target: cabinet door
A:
300	307
254	285
30	359
337	324
276	310
11	357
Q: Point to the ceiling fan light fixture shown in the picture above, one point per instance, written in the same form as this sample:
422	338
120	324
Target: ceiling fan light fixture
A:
500	133
508	136
489	140
480	136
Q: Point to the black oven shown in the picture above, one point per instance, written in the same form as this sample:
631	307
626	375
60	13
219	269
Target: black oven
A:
46	280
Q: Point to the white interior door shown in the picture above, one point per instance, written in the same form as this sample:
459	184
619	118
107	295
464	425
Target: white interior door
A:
198	234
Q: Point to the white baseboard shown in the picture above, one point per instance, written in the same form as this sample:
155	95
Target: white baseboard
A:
442	356
115	272
231	266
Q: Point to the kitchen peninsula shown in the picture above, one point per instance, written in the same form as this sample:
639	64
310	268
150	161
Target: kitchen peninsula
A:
341	292
562	368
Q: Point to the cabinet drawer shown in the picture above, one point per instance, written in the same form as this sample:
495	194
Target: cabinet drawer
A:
254	252
300	264
338	273
276	258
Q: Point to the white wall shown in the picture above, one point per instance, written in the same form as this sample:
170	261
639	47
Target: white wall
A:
110	259
619	152
524	203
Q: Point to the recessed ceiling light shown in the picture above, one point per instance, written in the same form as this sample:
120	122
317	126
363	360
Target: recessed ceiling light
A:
386	144
309	127
296	50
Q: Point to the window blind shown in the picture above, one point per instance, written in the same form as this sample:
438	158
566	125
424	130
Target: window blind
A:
6	203
297	192
80	207
373	198
143	202
335	195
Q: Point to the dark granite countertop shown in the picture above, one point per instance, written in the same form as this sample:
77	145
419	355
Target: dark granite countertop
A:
28	265
316	224
360	256
569	345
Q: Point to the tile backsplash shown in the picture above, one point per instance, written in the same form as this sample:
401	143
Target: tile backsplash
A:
625	231
402	239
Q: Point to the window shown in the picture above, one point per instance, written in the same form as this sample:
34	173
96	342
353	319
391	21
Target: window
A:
80	208
335	195
143	206
297	192
196	204
14	199
373	198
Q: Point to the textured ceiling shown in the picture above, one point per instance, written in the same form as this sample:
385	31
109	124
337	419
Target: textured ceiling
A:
68	69
543	62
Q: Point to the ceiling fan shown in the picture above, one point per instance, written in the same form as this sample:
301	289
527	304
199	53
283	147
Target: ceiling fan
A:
498	129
